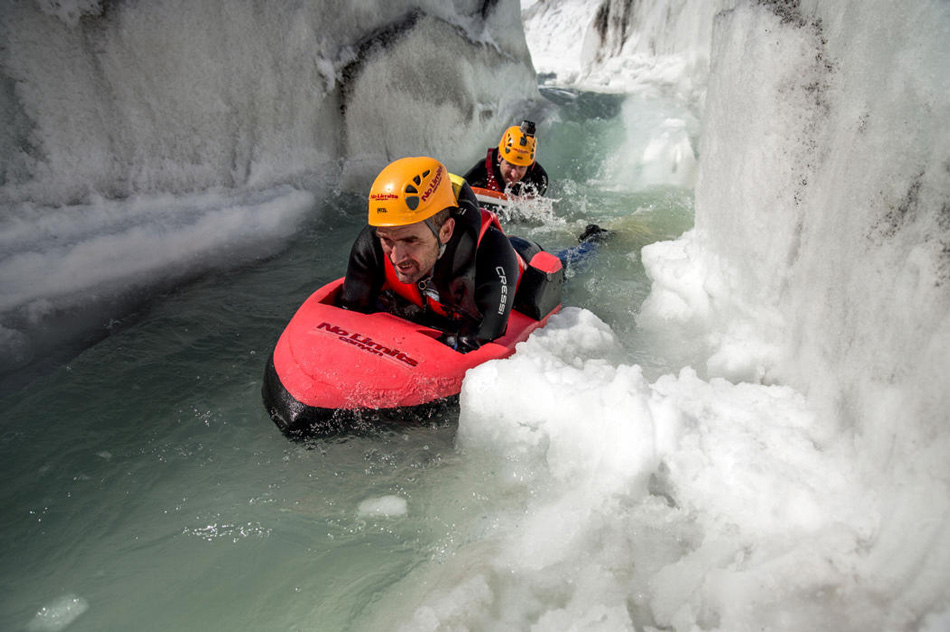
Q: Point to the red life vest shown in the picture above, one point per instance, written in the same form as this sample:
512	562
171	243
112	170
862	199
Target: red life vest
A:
414	294
490	169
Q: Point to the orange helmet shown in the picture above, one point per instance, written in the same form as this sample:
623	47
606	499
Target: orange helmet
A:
518	145
410	190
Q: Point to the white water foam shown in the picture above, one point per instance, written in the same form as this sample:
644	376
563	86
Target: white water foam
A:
59	614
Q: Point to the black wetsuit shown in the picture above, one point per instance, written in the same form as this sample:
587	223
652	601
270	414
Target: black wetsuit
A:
534	182
475	280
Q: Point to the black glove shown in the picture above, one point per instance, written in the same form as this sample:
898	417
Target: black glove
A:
594	234
463	343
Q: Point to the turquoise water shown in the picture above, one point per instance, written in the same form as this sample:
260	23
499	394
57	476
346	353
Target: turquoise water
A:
145	488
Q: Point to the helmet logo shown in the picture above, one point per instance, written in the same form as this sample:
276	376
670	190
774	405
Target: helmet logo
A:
509	146
433	184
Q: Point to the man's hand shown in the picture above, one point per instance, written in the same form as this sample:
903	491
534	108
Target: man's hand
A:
463	343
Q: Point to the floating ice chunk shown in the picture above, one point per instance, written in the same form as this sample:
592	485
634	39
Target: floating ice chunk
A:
384	506
58	615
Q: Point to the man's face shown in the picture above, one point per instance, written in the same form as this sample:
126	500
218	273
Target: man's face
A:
511	173
413	249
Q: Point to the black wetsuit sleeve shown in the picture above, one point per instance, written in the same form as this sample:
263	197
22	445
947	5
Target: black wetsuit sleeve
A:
538	178
477	176
496	276
365	273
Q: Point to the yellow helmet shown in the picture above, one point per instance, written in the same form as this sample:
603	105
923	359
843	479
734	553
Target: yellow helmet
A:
410	190
517	146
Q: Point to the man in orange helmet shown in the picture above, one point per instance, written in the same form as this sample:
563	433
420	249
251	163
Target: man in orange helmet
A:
417	257
512	166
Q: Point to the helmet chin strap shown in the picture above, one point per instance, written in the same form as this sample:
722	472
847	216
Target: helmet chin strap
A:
435	232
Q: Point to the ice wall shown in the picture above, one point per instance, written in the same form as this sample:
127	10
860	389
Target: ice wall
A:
655	52
623	46
823	200
174	96
820	253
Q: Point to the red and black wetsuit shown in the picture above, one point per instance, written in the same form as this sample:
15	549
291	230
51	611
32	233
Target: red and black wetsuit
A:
486	174
475	278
